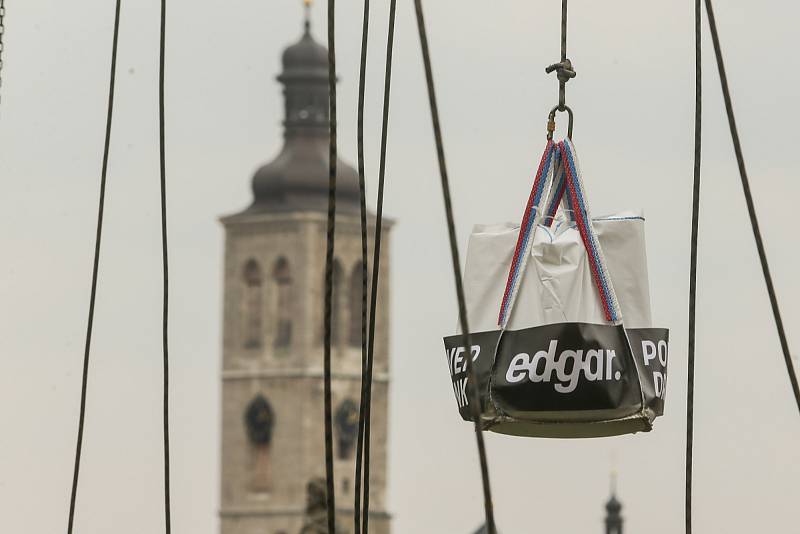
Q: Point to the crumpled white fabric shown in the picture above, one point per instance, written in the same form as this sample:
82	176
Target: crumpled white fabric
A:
557	284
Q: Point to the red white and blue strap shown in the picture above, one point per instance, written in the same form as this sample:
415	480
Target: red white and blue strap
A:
557	192
569	182
583	220
527	228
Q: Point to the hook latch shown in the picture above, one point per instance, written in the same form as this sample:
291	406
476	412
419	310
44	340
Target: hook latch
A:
551	121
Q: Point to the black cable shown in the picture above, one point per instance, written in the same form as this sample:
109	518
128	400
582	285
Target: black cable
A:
376	259
698	103
2	31
332	160
562	83
762	256
95	265
474	398
364	267
564	72
564	12
165	261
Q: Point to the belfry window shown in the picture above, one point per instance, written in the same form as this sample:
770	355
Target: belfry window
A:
282	277
259	419
346	421
253	305
336	311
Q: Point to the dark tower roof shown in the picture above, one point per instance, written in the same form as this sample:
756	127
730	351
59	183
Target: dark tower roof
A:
613	506
306	53
297	179
482	530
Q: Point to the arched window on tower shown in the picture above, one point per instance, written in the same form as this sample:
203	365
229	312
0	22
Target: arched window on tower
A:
259	420
355	304
252	304
282	276
336	304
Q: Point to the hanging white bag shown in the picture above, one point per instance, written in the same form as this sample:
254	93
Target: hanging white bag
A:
546	301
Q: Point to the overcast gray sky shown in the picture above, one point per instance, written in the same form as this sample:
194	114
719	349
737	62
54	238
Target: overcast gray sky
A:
633	100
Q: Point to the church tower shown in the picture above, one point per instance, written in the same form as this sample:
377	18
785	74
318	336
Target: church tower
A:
613	513
272	355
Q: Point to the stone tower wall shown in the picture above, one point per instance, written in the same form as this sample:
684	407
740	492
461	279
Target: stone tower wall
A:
290	378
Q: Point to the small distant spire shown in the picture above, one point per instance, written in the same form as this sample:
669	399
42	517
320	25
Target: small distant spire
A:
307	16
614	521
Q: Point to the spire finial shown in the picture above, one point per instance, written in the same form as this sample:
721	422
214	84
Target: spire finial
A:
613	473
307	16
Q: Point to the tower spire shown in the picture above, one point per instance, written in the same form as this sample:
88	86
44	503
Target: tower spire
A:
298	177
307	15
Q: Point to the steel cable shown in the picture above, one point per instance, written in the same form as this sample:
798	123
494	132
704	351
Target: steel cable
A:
753	223
751	210
95	266
364	268
376	260
2	31
329	258
165	263
474	399
698	108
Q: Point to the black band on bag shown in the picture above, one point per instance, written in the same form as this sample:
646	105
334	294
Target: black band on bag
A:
564	373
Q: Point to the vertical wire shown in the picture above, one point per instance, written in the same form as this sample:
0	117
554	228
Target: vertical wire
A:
474	399
95	266
331	233
751	210
698	109
562	84
165	262
376	259
364	267
2	31
563	30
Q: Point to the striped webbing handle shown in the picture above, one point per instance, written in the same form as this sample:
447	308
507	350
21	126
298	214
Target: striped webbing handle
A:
530	220
572	187
556	196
